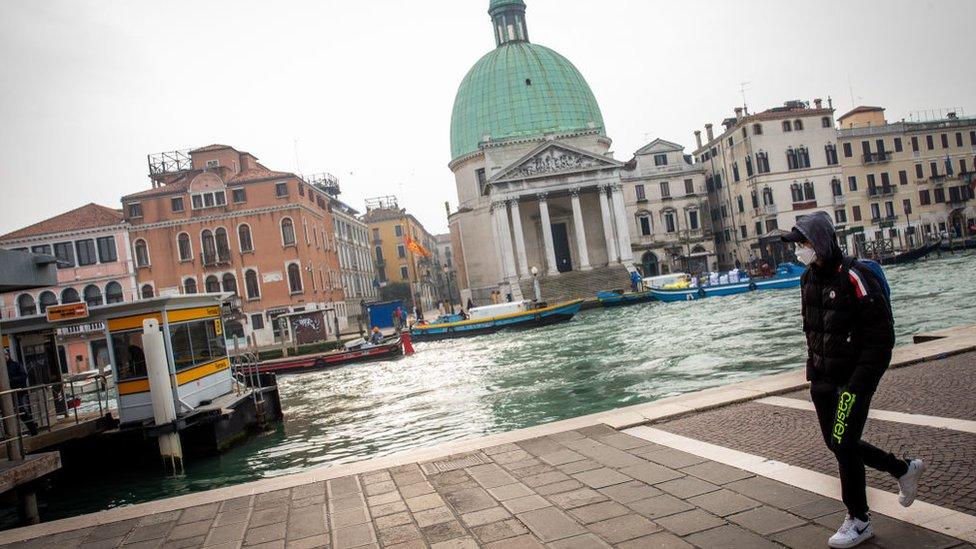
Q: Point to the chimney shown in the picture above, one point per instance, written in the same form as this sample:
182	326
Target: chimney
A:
818	103
830	103
698	138
738	113
708	132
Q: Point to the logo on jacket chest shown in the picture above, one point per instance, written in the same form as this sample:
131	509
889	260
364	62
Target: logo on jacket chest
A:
832	294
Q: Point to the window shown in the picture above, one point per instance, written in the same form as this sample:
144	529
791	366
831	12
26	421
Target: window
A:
693	220
644	220
875	211
401	251
856	212
208	200
898	147
130	358
759	230
86	252
147	291
757	129
962	166
848	152
767	196
907	205
735	171
190	286
46	299
836	187
787	126
294	278
689	186
176	204
660	160
740	203
251	284
106	249
113	293
945	140
791	161
223	245
903	177
26	305
872	186
825	122
665	189
404	274
257	321
798	125
749	171
924	198
398	230
93	295
919	173
196	201
479	176
135	210
239	196
771	225
885	181
831	153
742	231
796	191
244	238
287	232
934	169
183	247
281	189
229	283
762	162
729	141
142	253
198	342
213	163
670	223
840	216
301	190
929	142
889	209
939	194
914	143
65	254
755	198
641	197
42	249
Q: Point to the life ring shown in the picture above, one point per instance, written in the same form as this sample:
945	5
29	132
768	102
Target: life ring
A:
701	293
752	286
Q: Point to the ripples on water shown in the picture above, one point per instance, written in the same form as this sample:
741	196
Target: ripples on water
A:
602	359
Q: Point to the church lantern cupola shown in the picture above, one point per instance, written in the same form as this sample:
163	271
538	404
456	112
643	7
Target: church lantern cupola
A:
508	18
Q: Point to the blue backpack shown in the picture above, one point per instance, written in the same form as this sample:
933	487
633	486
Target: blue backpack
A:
875	268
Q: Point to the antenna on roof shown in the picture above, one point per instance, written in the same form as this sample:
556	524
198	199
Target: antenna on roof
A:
298	167
743	87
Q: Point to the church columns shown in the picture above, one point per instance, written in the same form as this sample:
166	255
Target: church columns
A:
547	235
523	262
613	255
503	236
580	230
623	229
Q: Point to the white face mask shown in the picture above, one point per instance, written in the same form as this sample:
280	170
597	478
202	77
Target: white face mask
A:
805	255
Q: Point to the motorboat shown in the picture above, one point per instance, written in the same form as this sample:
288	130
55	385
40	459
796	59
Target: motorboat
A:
492	318
352	352
787	276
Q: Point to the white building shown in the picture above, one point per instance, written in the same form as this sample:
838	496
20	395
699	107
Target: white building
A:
355	260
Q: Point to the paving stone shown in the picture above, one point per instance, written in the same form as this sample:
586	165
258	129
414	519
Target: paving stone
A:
766	520
457	543
421	503
729	536
353	536
808	536
550	524
274	544
349	517
651	473
527	503
232	516
387	509
527	541
630	491
443	531
817	508
891	533
112	529
716	473
660	540
723	502
242	502
228	533
558	487
511	456
660	506
623	528
490	475
500	449
412	544
354	501
579	466
601	478
155	543
540	446
451	477
561	457
262	534
495	531
414	490
314	542
184	543
436	515
598	430
528	468
586	541
381	487
308	502
158	518
689	522
510	491
153	531
276	498
542	479
686	487
104	543
674	459
382	499
622	441
486	516
268	516
191	530
198	513
566	435
399	534
341	487
466	501
772	492
602	453
308	490
467	485
577	498
379	476
307	521
598	511
389	521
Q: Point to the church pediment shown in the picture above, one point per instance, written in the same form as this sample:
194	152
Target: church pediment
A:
659	146
552	159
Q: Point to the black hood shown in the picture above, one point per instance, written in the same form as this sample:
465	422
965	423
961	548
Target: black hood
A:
818	228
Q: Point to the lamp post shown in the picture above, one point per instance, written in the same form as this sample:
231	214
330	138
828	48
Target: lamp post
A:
535	284
447	283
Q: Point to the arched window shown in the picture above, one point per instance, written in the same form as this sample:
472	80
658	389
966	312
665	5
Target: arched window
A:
209	247
287	232
294	278
644	223
184	247
825	122
787	126
233	329
802	158
213	284
230	283
251	284
190	286
757	129
113	292
836	187
47	299
142	253
93	295
70	295
791	163
26	305
767	196
831	152
698	249
147	291
649	264
755	198
796	191
808	191
223	245
798	125
762	162
244	237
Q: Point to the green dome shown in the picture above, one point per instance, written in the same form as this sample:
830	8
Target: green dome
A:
520	89
499	3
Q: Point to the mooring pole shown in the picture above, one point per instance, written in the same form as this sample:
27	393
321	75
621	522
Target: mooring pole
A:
161	392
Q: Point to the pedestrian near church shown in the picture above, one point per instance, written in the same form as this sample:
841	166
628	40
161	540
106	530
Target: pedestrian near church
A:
850	335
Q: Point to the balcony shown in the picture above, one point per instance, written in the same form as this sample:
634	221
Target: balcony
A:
884	190
766	209
839	200
805	205
879	157
885	222
214	260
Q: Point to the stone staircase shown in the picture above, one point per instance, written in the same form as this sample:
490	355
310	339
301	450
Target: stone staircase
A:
578	284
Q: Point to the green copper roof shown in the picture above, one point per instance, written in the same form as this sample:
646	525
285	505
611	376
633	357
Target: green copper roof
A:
499	3
520	90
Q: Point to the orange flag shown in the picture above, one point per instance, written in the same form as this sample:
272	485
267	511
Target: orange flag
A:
415	247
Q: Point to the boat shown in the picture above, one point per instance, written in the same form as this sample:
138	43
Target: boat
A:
618	298
355	351
492	318
787	276
911	255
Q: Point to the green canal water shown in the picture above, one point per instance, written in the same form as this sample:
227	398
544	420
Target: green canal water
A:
602	359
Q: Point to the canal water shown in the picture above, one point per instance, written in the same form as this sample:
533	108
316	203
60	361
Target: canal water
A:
602	359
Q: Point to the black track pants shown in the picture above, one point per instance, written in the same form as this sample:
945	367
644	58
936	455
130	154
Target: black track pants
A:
842	415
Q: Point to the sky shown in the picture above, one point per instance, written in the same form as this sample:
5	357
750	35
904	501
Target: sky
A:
364	90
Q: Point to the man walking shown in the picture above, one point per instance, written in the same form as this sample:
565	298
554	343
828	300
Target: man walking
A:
17	376
850	333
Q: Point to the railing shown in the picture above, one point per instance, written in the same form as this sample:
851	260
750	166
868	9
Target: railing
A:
766	209
884	190
40	408
839	200
877	157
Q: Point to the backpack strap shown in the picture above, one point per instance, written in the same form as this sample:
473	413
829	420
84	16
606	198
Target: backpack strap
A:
856	277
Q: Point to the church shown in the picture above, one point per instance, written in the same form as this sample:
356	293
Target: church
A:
539	193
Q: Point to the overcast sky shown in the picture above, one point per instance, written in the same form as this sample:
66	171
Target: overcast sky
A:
364	89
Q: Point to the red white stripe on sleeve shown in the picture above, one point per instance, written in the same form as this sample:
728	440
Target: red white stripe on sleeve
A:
859	288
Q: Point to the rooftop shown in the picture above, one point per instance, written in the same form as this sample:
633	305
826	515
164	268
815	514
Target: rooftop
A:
88	216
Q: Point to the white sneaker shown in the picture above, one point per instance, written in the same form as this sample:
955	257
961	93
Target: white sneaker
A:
908	483
853	532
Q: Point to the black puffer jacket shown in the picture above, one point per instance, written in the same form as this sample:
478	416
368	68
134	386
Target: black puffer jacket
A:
846	317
